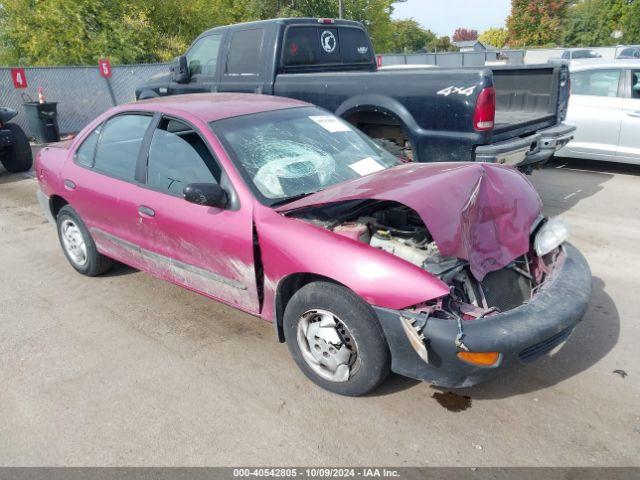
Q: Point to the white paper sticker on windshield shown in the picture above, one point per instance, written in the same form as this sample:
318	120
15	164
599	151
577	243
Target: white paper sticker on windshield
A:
331	124
366	166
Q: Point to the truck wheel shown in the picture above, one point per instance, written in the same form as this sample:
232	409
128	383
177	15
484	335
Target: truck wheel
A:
78	246
336	340
18	157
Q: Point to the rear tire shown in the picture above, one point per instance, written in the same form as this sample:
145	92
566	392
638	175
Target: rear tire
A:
78	246
18	157
357	334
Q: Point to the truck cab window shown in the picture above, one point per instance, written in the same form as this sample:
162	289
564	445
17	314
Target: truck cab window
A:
323	45
202	58
301	46
245	52
354	46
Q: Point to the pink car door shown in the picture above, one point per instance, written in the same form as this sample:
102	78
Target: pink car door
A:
206	249
100	185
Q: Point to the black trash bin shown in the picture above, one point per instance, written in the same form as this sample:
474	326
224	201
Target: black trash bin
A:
43	121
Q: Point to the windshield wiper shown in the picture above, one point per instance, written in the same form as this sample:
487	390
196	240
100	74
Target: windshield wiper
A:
291	199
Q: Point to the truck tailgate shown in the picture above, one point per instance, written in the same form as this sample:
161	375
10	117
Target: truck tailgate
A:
525	96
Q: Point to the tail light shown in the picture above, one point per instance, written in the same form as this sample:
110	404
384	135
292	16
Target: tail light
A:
326	21
485	113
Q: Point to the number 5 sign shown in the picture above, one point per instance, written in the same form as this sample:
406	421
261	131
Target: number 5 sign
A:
105	67
19	78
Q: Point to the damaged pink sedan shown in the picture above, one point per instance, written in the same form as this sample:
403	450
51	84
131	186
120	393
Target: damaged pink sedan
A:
443	272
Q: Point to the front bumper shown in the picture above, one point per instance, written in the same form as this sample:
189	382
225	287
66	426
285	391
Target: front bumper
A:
521	335
531	150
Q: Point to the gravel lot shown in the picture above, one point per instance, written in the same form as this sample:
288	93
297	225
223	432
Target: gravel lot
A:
129	370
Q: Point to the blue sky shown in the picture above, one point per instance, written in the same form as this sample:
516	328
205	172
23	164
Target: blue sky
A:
444	16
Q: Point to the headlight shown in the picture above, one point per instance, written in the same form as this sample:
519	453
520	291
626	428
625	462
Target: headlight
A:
551	235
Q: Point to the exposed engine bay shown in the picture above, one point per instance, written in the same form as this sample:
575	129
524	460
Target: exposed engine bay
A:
400	231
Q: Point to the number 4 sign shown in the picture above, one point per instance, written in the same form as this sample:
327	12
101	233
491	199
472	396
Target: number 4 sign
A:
105	67
19	78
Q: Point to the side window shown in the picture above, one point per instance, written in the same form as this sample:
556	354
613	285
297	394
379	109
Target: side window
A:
202	58
635	84
245	52
85	153
177	157
119	145
600	83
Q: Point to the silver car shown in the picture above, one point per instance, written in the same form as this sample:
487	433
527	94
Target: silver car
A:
605	108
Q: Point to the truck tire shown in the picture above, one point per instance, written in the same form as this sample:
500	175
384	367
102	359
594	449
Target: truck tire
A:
17	157
336	339
78	246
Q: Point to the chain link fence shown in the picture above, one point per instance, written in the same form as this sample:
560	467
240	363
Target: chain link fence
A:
82	94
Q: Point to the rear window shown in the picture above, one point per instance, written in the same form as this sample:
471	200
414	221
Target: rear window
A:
325	45
245	52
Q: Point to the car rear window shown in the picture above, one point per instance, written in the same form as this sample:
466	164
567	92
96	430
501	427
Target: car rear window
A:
311	45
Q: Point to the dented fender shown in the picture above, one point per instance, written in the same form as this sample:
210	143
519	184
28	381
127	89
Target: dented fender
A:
290	246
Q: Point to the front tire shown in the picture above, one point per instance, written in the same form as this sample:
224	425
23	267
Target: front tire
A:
336	339
18	157
78	246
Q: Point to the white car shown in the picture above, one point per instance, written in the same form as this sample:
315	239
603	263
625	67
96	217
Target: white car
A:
605	108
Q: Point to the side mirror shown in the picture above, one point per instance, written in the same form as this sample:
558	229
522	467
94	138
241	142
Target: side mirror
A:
209	194
180	70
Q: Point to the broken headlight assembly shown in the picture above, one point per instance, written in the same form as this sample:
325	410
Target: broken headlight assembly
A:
550	236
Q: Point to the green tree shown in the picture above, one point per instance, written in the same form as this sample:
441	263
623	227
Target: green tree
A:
441	44
48	32
496	37
593	22
408	36
630	23
536	23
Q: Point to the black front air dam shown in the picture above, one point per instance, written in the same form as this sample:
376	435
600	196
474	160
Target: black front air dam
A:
521	335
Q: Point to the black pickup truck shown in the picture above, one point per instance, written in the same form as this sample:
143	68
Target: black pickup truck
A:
507	114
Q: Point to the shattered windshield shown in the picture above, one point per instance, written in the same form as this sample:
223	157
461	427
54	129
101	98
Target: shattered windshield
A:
286	154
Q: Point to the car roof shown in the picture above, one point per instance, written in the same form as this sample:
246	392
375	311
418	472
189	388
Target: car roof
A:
210	107
605	64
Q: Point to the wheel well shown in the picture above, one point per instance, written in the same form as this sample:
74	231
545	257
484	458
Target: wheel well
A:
287	288
381	125
55	204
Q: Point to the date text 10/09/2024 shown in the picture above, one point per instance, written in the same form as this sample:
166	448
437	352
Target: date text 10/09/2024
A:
316	472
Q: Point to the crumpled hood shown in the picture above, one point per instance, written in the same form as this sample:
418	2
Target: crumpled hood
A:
479	212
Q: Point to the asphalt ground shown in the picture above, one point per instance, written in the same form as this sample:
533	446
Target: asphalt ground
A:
126	369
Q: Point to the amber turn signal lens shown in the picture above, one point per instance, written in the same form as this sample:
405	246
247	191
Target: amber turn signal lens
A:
482	359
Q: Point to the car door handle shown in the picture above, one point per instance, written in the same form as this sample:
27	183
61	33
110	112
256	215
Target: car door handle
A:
69	185
634	114
146	211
